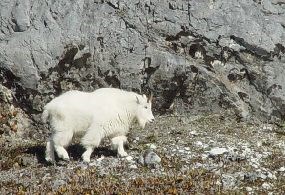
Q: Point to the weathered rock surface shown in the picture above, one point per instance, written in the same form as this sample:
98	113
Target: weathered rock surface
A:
198	56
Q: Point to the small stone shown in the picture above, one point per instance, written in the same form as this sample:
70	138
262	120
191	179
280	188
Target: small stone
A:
194	133
129	158
266	186
16	165
198	165
254	165
218	183
46	176
151	158
25	161
267	127
271	176
204	156
282	169
217	151
92	163
229	181
83	166
152	146
100	159
250	177
259	144
199	144
262	176
133	166
249	189
141	160
187	148
57	183
235	157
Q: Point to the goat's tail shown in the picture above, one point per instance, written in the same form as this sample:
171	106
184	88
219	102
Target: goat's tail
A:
50	111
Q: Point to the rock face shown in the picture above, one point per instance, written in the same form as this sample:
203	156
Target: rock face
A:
197	56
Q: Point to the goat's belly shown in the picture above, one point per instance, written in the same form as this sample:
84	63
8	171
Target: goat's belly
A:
115	128
80	122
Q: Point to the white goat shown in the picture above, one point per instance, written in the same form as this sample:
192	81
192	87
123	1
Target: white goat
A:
106	112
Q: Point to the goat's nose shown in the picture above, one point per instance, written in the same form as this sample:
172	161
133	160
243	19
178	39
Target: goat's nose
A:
152	120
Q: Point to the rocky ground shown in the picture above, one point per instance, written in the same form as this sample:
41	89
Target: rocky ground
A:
175	155
195	56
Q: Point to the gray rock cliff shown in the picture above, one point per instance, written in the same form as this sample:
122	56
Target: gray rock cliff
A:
203	56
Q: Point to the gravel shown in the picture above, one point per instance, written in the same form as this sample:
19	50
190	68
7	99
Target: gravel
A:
227	160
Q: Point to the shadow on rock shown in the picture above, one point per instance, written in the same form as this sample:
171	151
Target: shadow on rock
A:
75	151
105	151
39	152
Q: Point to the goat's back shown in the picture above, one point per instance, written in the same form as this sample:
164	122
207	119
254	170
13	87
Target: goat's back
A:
104	102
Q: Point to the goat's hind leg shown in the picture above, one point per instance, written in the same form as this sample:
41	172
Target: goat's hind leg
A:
49	154
62	140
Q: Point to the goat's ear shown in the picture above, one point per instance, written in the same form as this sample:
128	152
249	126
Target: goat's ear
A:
150	97
138	101
144	96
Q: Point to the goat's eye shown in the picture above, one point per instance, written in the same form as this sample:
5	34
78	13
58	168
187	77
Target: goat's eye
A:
145	107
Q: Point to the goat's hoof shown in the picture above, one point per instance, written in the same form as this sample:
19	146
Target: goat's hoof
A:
50	160
123	154
86	159
67	159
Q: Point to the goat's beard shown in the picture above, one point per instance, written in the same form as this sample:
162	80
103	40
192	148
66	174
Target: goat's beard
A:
142	123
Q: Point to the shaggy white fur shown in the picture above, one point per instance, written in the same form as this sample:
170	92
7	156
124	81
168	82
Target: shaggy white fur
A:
106	112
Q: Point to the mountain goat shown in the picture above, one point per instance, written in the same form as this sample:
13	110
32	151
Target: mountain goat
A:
106	112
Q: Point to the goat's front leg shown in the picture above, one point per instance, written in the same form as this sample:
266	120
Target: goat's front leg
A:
118	143
90	140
